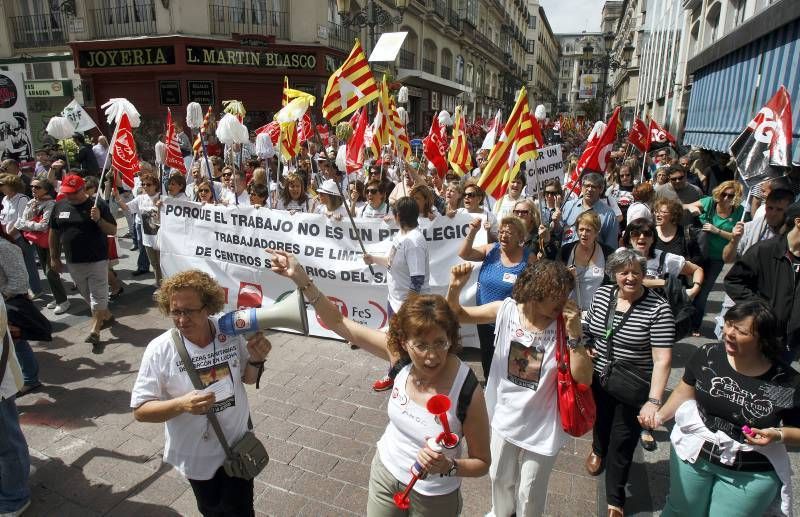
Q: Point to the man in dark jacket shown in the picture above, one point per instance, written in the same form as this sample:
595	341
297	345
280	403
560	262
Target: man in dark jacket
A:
86	158
770	271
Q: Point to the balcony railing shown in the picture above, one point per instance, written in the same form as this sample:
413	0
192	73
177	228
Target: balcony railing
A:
407	59
341	37
446	72
40	30
439	7
428	66
226	20
454	19
137	19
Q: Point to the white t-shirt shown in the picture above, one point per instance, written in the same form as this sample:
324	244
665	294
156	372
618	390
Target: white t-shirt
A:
521	389
144	206
409	425
322	209
506	208
673	265
190	444
13	207
408	257
374	213
296	206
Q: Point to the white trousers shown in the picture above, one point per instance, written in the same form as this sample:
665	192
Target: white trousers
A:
507	474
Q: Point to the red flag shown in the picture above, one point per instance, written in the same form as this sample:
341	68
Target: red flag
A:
355	146
273	129
305	129
174	158
766	142
659	137
123	155
537	131
597	154
322	129
435	148
638	136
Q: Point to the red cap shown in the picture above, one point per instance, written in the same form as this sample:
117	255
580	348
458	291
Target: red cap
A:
72	183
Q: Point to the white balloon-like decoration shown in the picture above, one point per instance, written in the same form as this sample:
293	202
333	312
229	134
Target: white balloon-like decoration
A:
194	115
161	152
402	95
540	112
445	119
114	109
264	148
60	128
231	131
403	114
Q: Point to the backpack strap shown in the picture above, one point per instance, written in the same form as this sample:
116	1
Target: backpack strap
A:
465	395
661	260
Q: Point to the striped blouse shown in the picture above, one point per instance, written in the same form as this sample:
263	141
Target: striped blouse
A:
651	324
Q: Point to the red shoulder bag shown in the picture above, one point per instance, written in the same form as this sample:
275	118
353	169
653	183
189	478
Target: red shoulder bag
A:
575	401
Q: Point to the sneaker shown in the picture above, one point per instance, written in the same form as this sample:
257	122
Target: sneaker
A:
61	308
383	384
52	305
18	512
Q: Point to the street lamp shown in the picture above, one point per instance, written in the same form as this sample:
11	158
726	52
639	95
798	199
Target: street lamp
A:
371	15
605	62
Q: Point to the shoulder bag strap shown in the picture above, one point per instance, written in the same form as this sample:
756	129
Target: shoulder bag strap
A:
661	261
465	395
198	385
612	330
4	358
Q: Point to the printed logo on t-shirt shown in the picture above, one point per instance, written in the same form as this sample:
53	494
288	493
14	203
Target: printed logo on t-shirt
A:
524	365
729	389
217	369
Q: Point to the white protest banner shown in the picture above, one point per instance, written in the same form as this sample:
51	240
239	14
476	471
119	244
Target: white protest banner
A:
75	113
229	242
547	166
15	129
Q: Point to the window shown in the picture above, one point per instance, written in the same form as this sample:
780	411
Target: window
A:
530	46
62	69
530	73
531	21
34	71
468	78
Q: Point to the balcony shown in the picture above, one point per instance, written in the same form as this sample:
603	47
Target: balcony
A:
439	7
137	19
446	72
407	59
428	66
454	19
227	20
41	30
341	37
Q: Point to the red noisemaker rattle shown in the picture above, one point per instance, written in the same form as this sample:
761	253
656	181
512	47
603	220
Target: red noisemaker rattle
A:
437	405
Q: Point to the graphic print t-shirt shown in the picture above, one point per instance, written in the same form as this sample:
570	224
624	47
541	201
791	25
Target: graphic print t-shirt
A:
728	400
190	443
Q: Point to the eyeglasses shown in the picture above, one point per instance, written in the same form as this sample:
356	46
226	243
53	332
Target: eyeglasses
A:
550	193
520	213
188	313
204	191
591	186
727	196
471	194
643	233
677	178
424	348
148	184
372	191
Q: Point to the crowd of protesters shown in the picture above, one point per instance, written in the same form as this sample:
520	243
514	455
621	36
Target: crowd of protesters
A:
626	265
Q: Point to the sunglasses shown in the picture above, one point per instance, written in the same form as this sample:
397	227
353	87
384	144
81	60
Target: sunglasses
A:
520	213
226	174
727	196
643	233
677	178
471	194
372	191
550	193
204	191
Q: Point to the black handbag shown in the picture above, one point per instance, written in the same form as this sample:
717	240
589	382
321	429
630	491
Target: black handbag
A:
32	324
624	381
248	456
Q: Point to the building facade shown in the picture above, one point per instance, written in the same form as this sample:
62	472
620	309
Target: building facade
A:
541	59
739	52
580	81
624	80
162	54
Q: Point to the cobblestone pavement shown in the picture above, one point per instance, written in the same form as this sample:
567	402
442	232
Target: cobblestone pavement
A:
315	413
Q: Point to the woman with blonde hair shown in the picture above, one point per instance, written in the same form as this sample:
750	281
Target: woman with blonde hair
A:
719	213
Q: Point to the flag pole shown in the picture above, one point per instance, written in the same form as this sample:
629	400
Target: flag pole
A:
644	162
353	224
105	164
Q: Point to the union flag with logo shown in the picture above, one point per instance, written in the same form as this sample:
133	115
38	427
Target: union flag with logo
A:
123	157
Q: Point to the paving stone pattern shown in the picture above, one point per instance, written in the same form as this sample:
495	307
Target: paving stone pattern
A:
315	412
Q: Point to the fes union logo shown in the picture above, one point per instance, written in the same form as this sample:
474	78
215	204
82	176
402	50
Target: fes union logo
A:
240	323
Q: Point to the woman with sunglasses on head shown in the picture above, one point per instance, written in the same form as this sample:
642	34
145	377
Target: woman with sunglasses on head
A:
719	213
537	235
521	387
501	264
424	337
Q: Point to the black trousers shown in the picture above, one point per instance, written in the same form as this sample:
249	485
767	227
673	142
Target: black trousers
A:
486	339
224	496
616	434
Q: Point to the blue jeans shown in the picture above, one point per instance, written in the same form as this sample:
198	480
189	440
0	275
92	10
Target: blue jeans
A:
29	254
143	263
15	464
27	362
712	269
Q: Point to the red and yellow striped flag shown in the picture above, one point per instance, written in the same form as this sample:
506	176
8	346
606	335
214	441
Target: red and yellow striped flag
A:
285	96
350	87
459	156
197	146
380	126
399	137
289	140
515	145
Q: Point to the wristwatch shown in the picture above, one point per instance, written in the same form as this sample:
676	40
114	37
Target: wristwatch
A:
453	470
574	343
655	401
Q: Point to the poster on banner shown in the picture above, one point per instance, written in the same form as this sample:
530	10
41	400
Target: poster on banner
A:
229	242
547	166
15	130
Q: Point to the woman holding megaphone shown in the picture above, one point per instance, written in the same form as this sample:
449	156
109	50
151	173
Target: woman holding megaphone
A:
424	334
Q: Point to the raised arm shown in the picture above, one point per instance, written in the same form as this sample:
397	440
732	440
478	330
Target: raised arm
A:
467	251
373	341
486	313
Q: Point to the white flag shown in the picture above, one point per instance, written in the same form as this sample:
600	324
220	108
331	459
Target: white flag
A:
78	116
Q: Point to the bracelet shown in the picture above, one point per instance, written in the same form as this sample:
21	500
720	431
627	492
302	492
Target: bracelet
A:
655	401
256	363
316	298
697	283
303	289
780	434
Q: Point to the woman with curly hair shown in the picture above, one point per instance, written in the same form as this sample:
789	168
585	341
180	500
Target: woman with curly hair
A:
719	213
424	335
521	388
163	391
293	196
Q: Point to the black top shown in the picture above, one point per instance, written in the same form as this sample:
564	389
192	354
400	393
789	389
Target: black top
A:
728	400
88	161
81	238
